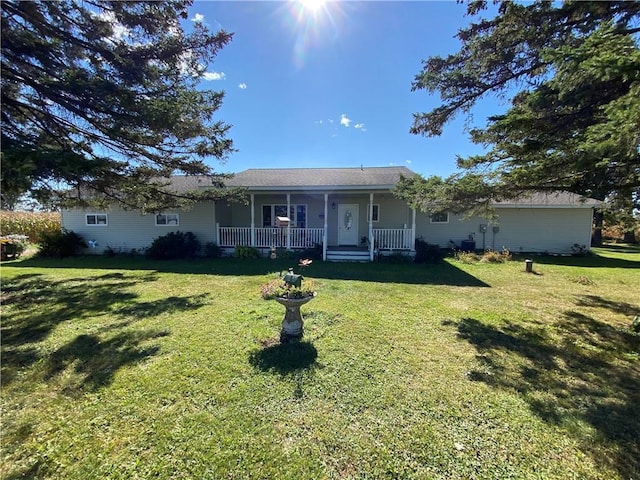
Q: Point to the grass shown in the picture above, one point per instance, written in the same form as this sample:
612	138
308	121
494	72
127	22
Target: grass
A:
128	368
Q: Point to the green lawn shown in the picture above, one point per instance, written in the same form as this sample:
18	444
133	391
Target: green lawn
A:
128	368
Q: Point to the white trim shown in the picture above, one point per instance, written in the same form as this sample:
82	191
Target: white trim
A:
377	217
293	218
167	224
96	224
438	222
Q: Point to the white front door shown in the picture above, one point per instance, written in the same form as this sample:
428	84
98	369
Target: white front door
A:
348	224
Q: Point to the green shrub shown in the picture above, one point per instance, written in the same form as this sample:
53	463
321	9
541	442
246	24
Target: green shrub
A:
397	258
212	250
32	224
427	253
60	244
246	252
174	245
314	253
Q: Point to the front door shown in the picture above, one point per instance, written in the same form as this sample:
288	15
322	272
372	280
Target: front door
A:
348	224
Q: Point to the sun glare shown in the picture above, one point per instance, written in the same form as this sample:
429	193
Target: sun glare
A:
313	22
312	5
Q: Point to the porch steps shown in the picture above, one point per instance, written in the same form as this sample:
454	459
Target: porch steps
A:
347	256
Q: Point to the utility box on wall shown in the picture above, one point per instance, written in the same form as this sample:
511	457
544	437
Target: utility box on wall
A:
468	245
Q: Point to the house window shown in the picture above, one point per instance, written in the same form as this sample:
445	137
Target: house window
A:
297	215
440	217
167	219
96	219
376	212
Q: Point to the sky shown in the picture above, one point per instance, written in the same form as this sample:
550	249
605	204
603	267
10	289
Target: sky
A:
313	84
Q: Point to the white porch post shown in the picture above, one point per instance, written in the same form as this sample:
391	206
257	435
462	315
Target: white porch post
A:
413	229
371	226
290	220
253	220
324	230
217	233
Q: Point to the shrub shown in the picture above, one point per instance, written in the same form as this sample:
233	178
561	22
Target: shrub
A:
60	244
467	257
32	224
12	246
491	256
174	245
314	253
246	252
396	258
212	250
427	253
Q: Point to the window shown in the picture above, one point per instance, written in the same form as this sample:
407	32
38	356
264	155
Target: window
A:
297	215
167	219
440	217
376	212
96	219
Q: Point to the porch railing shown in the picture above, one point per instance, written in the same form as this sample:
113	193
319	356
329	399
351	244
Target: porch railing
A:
393	238
269	237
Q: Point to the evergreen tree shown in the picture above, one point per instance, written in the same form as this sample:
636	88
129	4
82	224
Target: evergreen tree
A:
101	98
573	126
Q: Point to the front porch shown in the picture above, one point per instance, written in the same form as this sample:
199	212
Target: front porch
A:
366	223
292	238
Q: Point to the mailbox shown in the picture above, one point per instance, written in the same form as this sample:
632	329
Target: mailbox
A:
282	221
293	279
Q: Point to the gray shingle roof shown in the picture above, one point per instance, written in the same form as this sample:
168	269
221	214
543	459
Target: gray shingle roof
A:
550	199
328	179
319	177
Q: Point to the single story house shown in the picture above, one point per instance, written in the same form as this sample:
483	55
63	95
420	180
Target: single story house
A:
351	212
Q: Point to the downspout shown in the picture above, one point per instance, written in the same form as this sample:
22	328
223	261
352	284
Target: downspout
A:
371	226
413	230
253	220
324	231
290	220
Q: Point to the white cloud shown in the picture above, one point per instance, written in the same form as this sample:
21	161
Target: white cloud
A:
408	162
242	86
198	18
120	32
359	125
344	120
214	75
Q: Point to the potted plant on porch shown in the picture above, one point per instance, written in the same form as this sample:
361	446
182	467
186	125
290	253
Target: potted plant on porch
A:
289	291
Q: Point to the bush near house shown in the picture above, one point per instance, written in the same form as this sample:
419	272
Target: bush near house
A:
174	245
60	244
246	252
427	253
31	224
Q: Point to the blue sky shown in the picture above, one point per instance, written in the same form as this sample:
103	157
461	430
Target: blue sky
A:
330	86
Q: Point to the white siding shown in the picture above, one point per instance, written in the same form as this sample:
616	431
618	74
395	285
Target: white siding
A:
128	230
552	230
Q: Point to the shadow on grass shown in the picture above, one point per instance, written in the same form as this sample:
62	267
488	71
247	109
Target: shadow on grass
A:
96	360
35	305
284	358
293	360
581	372
587	261
444	273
